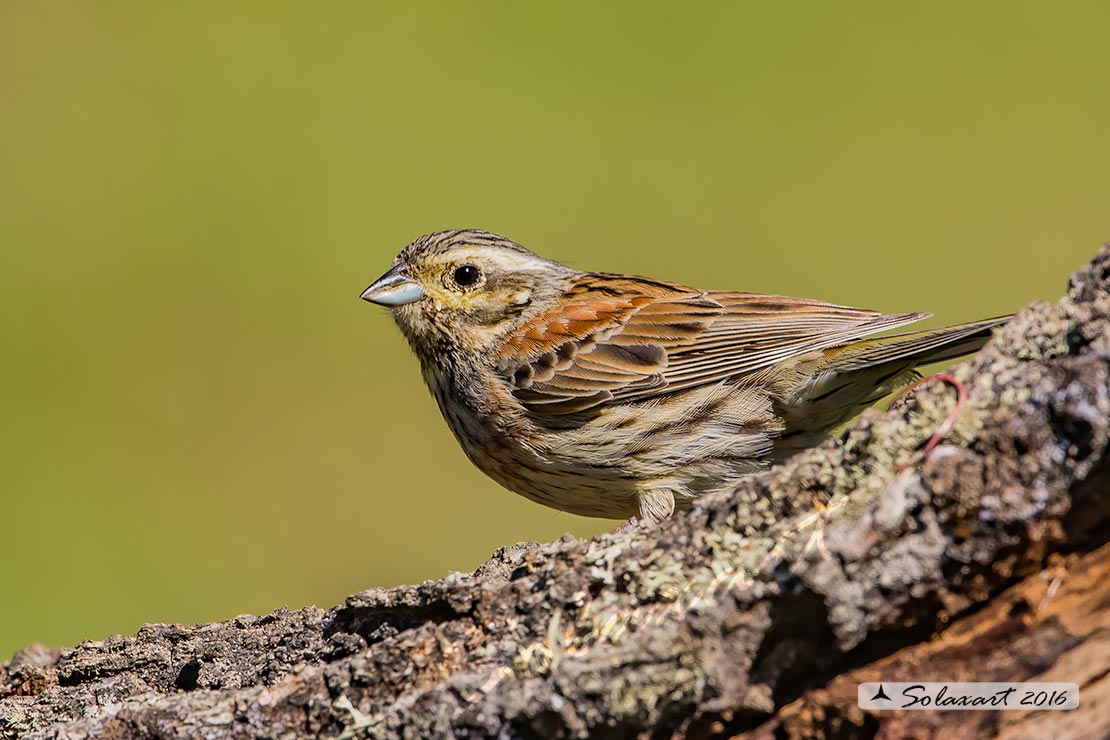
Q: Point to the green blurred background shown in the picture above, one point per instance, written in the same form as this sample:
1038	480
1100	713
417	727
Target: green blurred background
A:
202	419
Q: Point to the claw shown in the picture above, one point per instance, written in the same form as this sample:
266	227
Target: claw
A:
946	425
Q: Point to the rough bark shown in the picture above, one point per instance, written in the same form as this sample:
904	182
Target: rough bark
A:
1054	626
753	615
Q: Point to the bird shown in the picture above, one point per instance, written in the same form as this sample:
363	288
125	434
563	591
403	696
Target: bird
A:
625	397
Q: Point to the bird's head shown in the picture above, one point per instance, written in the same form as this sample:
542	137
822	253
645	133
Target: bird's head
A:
465	289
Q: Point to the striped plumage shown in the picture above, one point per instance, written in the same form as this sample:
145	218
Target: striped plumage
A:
618	396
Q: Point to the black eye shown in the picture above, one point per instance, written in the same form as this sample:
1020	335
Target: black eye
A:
467	275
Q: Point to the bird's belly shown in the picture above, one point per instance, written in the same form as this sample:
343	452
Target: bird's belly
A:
600	466
567	480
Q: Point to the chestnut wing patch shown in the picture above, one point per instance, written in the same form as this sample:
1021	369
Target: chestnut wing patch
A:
592	350
582	354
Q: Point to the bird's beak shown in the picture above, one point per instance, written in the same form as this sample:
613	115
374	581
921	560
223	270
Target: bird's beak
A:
393	289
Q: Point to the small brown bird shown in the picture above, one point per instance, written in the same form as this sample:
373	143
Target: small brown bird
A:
620	396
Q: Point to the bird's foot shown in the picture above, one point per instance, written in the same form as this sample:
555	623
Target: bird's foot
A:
632	523
946	425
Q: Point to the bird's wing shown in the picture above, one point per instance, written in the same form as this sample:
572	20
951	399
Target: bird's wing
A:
615	337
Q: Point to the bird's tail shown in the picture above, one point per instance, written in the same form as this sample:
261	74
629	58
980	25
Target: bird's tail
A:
856	374
913	348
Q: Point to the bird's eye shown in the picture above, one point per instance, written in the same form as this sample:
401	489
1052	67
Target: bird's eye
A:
466	275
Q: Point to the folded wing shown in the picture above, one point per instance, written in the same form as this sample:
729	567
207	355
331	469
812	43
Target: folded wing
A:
620	338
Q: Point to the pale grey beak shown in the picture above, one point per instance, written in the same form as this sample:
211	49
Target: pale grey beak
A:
393	289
